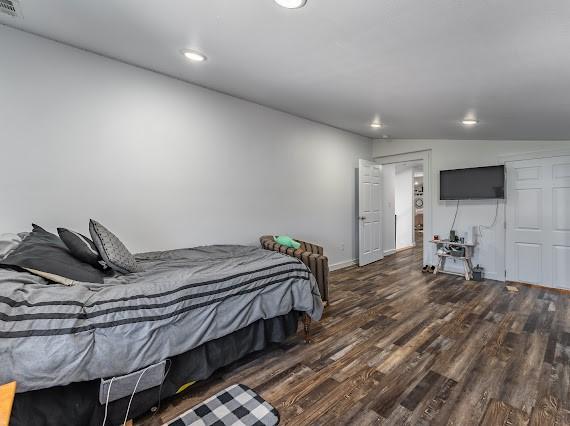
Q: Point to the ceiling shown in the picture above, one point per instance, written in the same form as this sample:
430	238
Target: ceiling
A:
418	66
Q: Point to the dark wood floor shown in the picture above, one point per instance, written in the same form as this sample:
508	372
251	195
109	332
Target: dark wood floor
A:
397	346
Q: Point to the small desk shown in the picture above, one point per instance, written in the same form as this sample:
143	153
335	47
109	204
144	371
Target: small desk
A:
467	265
7	393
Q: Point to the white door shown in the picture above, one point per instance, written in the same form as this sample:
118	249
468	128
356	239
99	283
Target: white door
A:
538	221
369	212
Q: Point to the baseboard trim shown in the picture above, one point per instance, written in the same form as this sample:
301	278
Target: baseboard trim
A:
342	265
540	287
389	252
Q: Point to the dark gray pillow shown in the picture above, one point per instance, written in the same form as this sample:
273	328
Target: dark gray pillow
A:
112	250
42	251
81	247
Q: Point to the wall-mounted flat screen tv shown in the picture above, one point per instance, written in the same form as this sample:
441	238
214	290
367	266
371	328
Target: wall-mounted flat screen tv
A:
479	183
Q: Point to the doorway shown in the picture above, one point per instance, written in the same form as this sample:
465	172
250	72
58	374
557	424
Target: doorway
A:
418	206
421	235
390	208
403	204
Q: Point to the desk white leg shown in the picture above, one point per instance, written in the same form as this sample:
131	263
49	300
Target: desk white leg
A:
470	266
440	265
466	269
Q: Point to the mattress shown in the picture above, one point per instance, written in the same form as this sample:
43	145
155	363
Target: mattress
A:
53	335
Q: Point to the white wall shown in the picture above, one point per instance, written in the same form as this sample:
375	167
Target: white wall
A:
388	209
404	204
451	154
163	163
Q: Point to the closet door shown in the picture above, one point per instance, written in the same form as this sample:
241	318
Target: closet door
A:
538	221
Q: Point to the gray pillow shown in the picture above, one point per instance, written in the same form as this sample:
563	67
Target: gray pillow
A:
81	247
44	254
111	249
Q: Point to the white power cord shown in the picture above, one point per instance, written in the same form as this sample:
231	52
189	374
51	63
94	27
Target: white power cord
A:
493	223
133	394
107	401
162	383
454	217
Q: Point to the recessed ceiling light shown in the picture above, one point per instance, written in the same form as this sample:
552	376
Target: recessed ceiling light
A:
469	122
193	55
376	125
291	4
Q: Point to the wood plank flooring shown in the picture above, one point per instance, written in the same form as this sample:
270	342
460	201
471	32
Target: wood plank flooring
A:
397	346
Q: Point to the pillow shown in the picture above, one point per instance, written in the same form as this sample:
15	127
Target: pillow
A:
287	241
44	252
81	247
112	250
8	242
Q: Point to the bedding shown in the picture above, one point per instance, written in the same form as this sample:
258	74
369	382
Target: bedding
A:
8	242
44	253
180	299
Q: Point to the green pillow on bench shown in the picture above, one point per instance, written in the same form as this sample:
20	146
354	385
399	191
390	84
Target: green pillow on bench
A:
287	241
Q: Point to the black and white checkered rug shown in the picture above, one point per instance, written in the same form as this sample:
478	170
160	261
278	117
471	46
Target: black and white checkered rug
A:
236	405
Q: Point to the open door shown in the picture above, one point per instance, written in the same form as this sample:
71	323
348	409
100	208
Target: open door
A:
369	212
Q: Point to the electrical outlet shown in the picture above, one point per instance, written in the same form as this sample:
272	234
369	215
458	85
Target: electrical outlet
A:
341	246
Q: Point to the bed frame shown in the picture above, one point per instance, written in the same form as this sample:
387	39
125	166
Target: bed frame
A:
78	403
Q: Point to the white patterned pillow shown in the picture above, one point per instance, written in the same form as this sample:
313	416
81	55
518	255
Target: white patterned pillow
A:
111	249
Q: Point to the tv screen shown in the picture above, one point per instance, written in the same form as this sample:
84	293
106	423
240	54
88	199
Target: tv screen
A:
480	183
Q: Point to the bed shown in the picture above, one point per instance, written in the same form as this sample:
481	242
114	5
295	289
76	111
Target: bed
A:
203	307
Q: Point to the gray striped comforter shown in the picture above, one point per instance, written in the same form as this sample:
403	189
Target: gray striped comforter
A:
55	335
